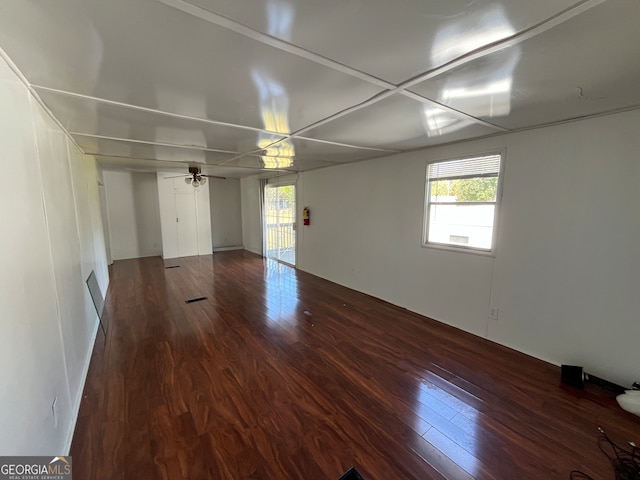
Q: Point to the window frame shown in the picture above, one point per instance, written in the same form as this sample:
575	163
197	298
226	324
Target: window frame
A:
496	214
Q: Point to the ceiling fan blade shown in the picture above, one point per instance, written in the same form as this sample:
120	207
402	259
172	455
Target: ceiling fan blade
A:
214	176
177	176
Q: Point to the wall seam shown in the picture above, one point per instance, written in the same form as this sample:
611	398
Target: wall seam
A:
51	262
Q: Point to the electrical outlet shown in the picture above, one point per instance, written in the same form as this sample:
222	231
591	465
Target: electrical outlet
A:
493	313
54	411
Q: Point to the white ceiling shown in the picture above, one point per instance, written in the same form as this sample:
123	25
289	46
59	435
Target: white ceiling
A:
293	85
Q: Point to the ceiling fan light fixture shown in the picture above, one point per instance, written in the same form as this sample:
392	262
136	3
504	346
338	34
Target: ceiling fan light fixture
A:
188	180
195	183
202	180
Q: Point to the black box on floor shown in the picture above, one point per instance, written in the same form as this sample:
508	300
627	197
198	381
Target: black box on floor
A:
572	375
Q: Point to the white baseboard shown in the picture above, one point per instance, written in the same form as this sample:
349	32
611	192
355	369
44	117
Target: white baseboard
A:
226	249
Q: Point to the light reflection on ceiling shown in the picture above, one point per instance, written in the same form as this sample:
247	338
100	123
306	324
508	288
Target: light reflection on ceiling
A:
280	15
274	105
485	92
470	33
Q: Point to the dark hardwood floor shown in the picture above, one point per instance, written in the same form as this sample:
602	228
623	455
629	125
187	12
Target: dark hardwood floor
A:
283	375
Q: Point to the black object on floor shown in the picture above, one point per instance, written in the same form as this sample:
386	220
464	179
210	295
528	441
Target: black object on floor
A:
572	375
577	377
351	474
199	299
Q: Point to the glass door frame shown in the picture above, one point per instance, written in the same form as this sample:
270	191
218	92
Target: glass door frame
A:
290	235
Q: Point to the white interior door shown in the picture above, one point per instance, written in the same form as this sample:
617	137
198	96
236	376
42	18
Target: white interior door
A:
187	224
280	223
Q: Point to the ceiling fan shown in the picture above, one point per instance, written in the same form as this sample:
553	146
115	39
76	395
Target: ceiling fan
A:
196	178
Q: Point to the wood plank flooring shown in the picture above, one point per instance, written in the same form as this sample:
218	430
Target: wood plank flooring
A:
283	375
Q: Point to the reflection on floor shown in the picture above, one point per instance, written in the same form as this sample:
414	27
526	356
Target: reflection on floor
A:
286	255
283	375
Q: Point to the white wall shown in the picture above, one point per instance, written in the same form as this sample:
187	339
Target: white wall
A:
134	216
251	234
566	275
226	213
52	238
167	188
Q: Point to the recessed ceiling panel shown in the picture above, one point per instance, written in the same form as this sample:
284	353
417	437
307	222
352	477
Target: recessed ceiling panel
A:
308	149
139	165
579	68
230	172
399	122
88	116
148	54
269	163
126	149
386	38
150	166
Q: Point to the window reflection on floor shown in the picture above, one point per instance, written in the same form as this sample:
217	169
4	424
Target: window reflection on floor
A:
453	423
281	294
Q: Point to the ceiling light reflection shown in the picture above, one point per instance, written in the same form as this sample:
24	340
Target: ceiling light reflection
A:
277	155
274	106
493	88
276	162
470	33
438	122
281	149
280	17
483	88
274	103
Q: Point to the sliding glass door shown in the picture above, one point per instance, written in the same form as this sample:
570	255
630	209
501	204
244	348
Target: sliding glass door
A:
280	223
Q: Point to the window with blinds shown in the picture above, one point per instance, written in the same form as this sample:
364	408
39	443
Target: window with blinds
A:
461	202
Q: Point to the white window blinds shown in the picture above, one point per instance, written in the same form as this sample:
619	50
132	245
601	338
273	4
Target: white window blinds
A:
488	166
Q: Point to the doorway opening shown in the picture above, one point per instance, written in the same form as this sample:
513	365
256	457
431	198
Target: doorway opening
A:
280	223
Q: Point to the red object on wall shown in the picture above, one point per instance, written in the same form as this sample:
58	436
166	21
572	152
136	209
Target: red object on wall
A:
305	215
